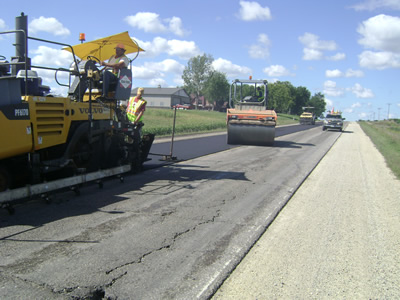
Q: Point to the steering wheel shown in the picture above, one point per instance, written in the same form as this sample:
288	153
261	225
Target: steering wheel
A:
98	61
2	57
89	57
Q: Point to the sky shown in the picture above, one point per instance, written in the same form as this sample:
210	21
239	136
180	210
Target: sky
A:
349	50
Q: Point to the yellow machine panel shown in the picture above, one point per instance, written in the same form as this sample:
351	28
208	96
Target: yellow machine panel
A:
17	134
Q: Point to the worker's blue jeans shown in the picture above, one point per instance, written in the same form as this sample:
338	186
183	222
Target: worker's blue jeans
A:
109	82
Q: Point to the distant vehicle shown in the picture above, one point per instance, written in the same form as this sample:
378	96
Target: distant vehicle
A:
308	116
182	106
333	121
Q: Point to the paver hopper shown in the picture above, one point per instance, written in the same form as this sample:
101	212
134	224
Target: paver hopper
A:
249	122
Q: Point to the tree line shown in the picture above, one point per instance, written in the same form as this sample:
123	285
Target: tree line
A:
200	79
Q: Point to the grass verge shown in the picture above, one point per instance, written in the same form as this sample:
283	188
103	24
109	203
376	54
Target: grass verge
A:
160	121
386	137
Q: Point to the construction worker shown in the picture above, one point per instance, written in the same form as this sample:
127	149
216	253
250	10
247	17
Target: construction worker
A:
112	67
136	107
260	96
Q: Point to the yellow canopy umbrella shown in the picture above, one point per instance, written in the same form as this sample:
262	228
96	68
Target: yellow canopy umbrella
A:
104	48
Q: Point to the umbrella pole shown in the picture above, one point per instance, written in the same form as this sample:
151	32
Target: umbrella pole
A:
90	116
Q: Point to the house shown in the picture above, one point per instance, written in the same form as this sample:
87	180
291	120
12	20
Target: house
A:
204	104
163	97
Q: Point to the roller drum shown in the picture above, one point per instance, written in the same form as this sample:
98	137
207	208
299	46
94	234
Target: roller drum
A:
248	134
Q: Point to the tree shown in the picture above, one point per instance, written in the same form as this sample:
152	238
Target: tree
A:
318	101
217	88
196	75
302	97
281	96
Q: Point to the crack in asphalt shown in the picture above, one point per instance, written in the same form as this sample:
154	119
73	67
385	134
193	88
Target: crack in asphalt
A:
173	240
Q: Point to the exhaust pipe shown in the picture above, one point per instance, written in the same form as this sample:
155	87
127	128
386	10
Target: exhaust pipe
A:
21	45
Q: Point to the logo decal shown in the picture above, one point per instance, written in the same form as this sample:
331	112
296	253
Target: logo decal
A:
125	81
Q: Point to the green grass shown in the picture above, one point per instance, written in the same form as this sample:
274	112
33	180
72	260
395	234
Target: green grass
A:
386	137
284	119
160	121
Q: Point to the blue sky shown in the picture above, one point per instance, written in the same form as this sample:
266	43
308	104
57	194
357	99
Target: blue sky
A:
349	50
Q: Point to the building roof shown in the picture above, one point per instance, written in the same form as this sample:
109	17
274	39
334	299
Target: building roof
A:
162	91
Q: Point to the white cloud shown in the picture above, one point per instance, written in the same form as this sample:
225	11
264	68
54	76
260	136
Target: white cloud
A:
349	73
330	89
314	48
146	21
381	33
179	48
156	72
176	26
153	48
182	49
157	69
355	105
261	49
333	73
377	4
277	71
379	60
167	66
2	24
253	11
51	57
312	54
150	22
158	82
361	92
50	25
354	73
337	56
312	41
178	80
329	102
143	72
230	69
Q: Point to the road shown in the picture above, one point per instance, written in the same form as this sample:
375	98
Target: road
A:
204	144
337	238
171	232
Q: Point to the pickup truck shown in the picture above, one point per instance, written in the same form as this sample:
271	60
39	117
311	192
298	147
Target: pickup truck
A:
333	121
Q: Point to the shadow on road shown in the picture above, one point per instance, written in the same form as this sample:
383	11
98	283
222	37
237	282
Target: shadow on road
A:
290	144
160	181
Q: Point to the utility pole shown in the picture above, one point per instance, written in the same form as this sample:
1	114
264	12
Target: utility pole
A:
379	113
388	109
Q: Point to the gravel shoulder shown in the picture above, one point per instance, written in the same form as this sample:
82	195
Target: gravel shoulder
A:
338	237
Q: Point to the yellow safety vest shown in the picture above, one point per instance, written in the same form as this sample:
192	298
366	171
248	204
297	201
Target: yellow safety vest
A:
135	106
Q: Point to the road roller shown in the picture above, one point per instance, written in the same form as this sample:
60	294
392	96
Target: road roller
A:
249	122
